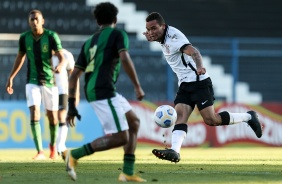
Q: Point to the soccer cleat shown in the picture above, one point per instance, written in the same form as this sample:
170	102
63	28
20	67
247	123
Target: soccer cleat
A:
167	154
124	178
70	164
53	152
255	124
40	156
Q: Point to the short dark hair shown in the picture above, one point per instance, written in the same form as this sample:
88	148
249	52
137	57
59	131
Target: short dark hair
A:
155	16
105	13
35	11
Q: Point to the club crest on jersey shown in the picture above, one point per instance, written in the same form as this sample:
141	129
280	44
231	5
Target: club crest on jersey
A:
166	48
45	48
174	37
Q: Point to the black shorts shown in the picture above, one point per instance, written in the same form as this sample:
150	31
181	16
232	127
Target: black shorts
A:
63	101
196	93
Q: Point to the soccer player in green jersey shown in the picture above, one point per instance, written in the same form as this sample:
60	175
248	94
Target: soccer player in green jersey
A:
100	59
37	45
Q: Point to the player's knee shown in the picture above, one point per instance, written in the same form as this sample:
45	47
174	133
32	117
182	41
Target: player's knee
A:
118	139
124	138
133	123
53	120
34	113
210	121
134	127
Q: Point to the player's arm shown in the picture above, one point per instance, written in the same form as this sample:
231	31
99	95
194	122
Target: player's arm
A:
57	47
61	59
131	72
70	67
73	82
77	95
196	56
16	68
72	111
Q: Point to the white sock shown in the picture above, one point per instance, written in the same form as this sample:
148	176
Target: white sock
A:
239	117
177	138
61	139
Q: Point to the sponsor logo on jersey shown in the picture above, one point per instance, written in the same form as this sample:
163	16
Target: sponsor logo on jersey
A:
45	48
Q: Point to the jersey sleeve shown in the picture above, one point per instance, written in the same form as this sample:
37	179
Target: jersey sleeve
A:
56	42
70	61
81	62
179	40
122	41
22	47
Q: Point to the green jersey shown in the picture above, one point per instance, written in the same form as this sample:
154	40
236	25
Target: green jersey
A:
99	59
39	53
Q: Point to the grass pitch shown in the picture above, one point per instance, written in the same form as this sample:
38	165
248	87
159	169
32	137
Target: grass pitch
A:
256	165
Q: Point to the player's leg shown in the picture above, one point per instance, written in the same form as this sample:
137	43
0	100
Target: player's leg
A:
184	107
227	118
33	95
100	144
180	129
63	128
212	118
133	121
50	102
36	131
111	116
205	97
178	135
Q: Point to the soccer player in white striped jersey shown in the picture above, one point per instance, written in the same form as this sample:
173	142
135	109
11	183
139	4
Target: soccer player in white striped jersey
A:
195	86
62	84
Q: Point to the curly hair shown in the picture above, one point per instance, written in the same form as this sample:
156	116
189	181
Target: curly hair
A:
105	13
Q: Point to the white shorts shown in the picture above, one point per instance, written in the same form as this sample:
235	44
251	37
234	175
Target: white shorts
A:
48	95
111	115
124	103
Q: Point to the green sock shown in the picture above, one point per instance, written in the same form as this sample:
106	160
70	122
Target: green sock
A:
86	149
36	132
128	164
53	134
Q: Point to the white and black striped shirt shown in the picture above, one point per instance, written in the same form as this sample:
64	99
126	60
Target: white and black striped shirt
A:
185	70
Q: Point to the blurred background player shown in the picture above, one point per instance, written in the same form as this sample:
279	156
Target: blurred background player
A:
37	45
99	59
62	82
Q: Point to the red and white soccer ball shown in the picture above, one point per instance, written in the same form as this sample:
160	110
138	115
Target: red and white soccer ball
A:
165	116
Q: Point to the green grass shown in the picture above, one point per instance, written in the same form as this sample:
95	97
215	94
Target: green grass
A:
255	165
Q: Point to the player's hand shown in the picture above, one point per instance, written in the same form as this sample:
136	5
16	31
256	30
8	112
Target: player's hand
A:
9	87
72	113
139	93
201	71
148	37
58	68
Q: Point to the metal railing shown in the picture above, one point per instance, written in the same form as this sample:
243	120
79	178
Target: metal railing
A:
235	49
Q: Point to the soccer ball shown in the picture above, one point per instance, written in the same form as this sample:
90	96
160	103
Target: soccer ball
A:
165	116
